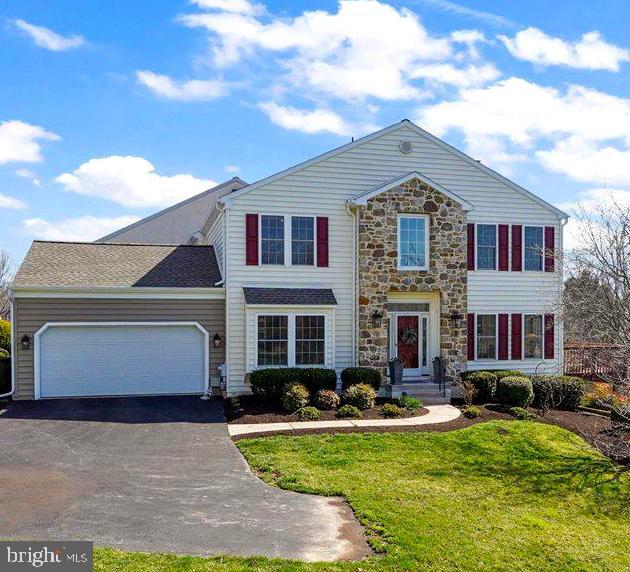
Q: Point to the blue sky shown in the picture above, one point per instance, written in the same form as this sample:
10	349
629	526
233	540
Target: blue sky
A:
111	110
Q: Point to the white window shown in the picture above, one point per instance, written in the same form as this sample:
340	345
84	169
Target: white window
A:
533	248
291	340
413	242
302	240
533	336
486	246
486	336
271	239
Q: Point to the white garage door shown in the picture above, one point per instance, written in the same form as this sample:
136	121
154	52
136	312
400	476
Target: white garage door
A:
139	359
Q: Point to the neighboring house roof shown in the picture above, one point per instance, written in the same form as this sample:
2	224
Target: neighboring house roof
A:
200	205
290	296
101	265
426	135
362	198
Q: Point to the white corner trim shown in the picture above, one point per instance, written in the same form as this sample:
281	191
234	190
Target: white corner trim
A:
362	198
42	330
127	293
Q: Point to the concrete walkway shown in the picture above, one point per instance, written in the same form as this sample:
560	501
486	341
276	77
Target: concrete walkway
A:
437	414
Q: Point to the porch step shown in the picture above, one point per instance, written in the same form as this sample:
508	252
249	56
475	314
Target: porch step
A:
428	393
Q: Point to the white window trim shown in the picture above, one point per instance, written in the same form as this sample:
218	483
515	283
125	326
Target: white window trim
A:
496	337
288	242
524	249
496	246
542	322
291	339
427	248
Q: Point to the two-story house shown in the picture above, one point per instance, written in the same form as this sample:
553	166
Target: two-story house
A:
394	245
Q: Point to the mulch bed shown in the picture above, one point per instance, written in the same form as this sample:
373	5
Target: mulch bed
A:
249	409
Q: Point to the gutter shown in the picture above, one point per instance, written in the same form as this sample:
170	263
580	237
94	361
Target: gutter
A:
13	356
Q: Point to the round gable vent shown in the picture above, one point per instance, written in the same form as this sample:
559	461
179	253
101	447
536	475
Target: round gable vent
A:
405	147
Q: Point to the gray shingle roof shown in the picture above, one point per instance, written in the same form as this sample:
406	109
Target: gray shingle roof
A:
102	265
290	296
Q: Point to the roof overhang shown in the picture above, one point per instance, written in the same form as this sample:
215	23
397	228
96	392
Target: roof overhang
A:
125	293
363	198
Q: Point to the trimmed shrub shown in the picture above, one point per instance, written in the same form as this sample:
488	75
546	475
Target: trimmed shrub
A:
360	375
4	353
316	378
409	403
326	400
558	391
390	410
5	374
471	412
499	373
348	412
269	383
5	335
485	383
520	413
515	391
295	397
308	414
361	395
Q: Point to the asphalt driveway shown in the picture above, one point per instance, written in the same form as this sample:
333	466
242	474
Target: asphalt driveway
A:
155	475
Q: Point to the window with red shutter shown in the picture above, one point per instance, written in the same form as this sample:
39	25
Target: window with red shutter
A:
517	247
549	337
471	246
503	336
251	239
471	337
503	247
550	237
517	325
322	241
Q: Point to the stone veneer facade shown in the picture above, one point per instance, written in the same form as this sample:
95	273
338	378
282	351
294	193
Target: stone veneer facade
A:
379	274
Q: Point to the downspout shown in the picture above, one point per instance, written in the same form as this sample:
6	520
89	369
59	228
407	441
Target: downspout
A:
351	209
13	356
225	368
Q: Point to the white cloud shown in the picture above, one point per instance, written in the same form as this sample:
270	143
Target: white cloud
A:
328	52
232	168
591	52
11	203
522	111
585	161
192	90
19	141
81	229
131	181
234	6
470	76
46	38
28	174
463	11
316	121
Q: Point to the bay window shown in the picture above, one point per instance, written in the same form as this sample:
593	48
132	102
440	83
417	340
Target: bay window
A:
273	340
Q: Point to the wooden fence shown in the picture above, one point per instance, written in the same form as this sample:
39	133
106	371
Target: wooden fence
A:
592	361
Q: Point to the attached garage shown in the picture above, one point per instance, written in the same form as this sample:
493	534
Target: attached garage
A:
117	320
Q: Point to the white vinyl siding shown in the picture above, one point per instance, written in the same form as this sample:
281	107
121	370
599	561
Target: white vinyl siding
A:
216	238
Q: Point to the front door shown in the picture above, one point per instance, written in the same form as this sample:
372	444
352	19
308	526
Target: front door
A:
410	343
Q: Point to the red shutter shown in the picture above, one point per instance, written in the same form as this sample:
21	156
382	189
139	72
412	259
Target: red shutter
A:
549	335
503	336
471	337
471	246
550	237
517	247
322	241
251	239
503	247
517	325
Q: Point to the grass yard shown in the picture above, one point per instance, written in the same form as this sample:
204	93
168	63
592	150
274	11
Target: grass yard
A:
495	496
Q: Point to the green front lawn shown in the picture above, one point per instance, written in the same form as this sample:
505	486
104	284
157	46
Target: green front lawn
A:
495	496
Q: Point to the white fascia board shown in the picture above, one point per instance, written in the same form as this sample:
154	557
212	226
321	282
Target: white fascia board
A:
127	293
362	198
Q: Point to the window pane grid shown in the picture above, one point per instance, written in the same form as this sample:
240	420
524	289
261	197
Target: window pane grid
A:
486	336
273	340
533	248
486	246
272	239
309	340
533	336
412	246
302	240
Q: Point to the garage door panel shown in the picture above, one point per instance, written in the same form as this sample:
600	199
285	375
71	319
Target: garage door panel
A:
121	360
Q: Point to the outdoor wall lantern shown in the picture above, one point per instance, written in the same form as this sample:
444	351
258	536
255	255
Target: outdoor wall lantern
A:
456	319
216	341
377	319
25	342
